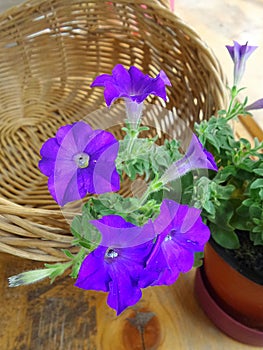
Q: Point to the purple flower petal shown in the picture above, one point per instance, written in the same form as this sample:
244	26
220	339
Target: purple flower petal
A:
164	78
240	54
46	166
112	228
184	223
99	142
80	161
143	85
181	234
118	269
65	131
112	93
93	274
177	260
123	292
85	181
131	84
196	157
124	289
49	149
101	79
255	105
122	78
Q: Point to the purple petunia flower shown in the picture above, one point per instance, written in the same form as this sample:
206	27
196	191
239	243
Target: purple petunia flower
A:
113	268
196	157
130	257
181	233
240	54
133	86
79	160
255	105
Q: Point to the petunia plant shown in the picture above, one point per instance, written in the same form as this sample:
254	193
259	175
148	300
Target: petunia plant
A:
128	243
232	198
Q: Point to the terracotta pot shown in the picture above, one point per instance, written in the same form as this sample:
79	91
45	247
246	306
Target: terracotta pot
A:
232	301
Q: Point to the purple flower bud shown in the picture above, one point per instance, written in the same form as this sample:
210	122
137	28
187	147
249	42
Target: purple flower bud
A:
255	105
239	54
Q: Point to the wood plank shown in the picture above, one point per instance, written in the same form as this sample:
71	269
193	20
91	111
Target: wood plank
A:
63	317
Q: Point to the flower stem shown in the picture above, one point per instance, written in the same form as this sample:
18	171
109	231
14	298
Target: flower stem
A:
133	136
229	114
154	186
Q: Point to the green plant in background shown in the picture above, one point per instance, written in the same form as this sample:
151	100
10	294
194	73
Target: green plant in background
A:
232	198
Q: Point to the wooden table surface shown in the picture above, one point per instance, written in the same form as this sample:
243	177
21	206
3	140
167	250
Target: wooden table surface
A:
63	317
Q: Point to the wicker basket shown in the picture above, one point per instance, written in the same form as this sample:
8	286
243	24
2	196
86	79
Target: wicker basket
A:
50	53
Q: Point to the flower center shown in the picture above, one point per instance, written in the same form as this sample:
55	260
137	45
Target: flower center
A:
170	235
111	253
168	238
82	160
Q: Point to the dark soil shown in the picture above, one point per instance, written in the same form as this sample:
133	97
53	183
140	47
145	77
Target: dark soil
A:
248	259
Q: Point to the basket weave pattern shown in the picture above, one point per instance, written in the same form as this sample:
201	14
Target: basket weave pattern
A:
50	53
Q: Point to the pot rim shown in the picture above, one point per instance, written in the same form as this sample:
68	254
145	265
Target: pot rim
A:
220	318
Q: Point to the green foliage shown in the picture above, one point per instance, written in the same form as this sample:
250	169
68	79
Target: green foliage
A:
198	259
143	157
85	234
231	199
129	208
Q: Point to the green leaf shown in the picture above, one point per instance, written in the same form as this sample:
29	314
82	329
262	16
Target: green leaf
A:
222	112
257	184
86	235
258	171
225	238
242	210
78	259
57	269
198	259
76	226
68	253
255	210
225	192
209	207
248	202
256	237
224	214
225	173
130	171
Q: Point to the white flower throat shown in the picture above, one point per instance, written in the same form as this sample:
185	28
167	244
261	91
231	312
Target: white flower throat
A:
111	253
82	160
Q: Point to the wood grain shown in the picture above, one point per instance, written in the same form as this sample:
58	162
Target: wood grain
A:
63	317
